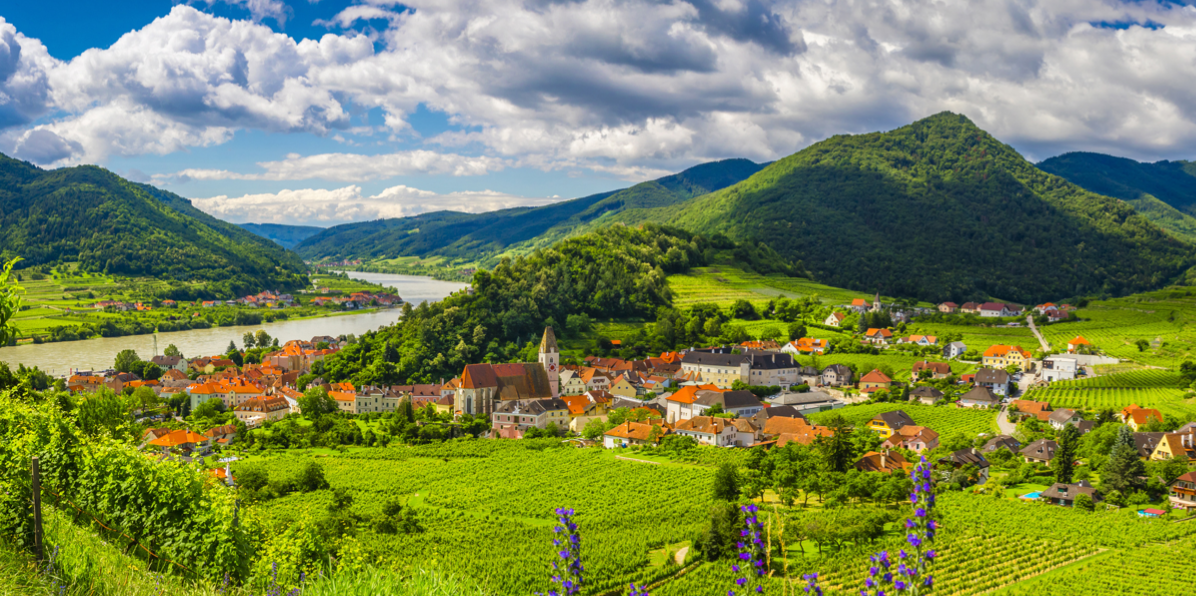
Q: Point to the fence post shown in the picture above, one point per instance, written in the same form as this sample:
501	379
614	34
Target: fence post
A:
38	546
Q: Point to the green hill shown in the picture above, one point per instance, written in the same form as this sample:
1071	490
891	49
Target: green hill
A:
478	236
1164	192
937	210
106	223
286	236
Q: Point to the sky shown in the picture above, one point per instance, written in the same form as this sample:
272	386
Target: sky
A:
328	111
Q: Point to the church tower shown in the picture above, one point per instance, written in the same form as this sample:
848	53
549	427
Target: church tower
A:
550	358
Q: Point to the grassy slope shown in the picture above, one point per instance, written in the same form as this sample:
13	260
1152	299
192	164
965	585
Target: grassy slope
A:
286	236
938	209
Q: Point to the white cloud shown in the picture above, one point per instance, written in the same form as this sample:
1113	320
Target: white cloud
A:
328	207
630	86
351	167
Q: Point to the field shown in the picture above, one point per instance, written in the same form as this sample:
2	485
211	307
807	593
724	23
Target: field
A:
1151	570
725	285
1148	388
978	338
900	364
946	420
1166	319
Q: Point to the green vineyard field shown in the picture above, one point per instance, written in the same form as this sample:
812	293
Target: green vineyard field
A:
1148	388
945	420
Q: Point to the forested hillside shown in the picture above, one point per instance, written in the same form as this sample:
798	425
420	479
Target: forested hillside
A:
938	210
618	272
476	236
106	223
286	236
1164	192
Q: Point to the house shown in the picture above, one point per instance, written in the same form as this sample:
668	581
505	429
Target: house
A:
954	349
184	440
571	383
887	423
1065	494
1002	442
995	379
708	430
764	345
785	430
526	413
722	367
1038	409
925	395
741	403
880	337
170	363
1062	417
1181	446
859	305
1001	356
837	375
937	370
593	379
922	340
875	381
997	309
262	409
1058	368
885	462
633	433
968	457
809	375
1041	451
913	438
835	319
948	308
807	345
1182	492
680	405
1077	343
444	405
970	308
622	386
1137	417
1146	443
979	397
1046	308
809	402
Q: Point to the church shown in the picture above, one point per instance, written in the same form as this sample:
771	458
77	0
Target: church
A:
483	386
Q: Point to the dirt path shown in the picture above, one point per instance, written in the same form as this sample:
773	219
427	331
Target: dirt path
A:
1042	342
680	556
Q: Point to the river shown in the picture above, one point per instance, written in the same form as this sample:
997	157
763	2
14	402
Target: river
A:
60	358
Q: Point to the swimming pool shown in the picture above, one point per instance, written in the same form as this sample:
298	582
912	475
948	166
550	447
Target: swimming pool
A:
1032	496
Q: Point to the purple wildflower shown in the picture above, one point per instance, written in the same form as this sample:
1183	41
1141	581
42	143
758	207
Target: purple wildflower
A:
751	551
569	568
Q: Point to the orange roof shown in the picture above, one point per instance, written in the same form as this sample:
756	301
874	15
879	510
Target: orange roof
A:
1079	341
838	315
999	351
670	357
687	394
635	430
859	302
879	332
577	404
179	437
343	395
875	377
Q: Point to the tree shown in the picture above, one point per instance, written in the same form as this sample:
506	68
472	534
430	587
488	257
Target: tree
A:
126	360
1065	456
796	331
151	371
837	450
1084	502
316	402
209	409
406	410
742	309
1124	467
311	478
10	303
594	429
263	339
248	339
1142	345
232	347
726	483
172	350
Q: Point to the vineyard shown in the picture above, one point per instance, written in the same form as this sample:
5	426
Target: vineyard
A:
1166	319
900	364
724	285
1153	570
1147	387
945	420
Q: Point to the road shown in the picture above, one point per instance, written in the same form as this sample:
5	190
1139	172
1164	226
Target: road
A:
1042	342
1004	424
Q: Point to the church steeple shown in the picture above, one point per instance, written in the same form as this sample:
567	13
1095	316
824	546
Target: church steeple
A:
550	358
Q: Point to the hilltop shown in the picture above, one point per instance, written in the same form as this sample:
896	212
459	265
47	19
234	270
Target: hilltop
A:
473	236
1164	192
106	223
938	210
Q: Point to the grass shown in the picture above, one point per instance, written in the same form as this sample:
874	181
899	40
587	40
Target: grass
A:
724	285
945	420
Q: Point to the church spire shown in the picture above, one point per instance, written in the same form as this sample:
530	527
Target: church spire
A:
548	344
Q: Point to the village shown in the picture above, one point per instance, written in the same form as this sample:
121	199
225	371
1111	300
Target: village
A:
752	395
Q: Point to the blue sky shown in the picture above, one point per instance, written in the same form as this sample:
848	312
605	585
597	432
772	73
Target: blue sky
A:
292	111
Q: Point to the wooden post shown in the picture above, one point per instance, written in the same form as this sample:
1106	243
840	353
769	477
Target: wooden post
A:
38	546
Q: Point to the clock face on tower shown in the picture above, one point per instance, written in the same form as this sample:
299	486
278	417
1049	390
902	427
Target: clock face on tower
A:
552	368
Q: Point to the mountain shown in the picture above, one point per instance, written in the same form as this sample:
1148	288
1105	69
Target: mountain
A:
938	210
106	223
1164	192
473	236
286	236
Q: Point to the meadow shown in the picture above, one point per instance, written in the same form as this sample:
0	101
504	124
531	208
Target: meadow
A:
724	285
945	420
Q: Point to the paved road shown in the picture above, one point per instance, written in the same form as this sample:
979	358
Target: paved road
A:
1003	422
1042	342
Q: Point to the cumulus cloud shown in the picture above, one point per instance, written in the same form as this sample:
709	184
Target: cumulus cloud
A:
328	207
620	86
